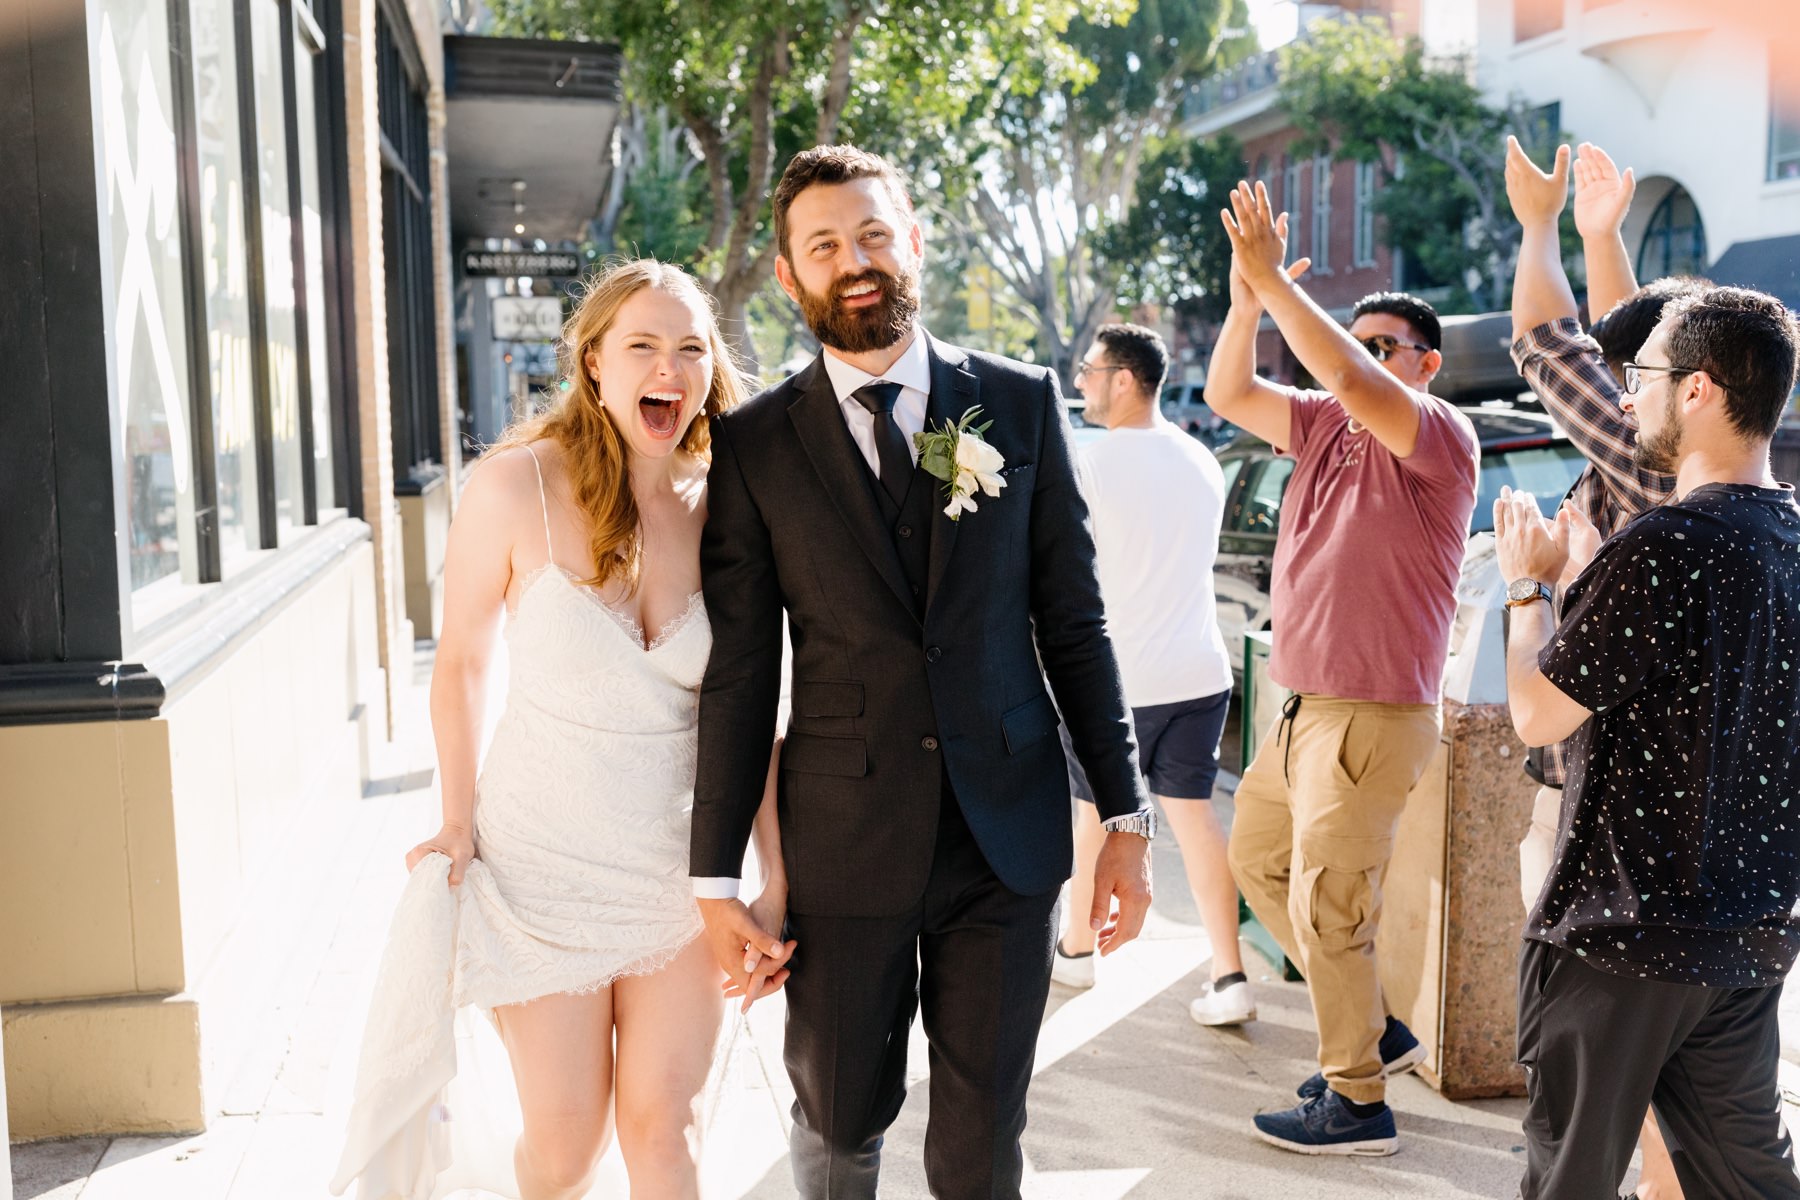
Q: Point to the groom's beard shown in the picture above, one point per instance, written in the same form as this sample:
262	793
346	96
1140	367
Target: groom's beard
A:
860	330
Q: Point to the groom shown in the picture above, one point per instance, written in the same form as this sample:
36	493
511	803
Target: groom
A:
923	797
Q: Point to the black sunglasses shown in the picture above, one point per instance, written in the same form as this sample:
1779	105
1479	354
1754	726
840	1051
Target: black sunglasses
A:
1381	347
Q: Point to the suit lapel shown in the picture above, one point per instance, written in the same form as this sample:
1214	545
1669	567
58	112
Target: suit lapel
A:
954	390
819	423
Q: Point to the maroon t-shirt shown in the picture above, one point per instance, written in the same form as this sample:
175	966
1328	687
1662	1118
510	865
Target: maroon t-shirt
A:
1369	553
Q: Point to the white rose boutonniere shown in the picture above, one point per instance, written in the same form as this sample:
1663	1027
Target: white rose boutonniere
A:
957	455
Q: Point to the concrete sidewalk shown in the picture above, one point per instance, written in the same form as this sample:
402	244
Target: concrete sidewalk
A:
1130	1097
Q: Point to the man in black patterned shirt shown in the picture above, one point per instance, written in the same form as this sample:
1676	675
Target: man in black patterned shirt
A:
1653	956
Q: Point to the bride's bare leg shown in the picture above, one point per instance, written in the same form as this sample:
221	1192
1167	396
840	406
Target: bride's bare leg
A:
562	1060
667	1025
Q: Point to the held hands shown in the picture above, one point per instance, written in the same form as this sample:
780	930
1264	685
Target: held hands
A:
1121	872
753	959
1602	194
1526	545
1258	245
454	843
1537	198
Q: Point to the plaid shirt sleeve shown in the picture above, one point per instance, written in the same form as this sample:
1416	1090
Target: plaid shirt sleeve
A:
1564	367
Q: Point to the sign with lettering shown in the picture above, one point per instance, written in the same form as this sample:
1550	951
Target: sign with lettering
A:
512	263
526	318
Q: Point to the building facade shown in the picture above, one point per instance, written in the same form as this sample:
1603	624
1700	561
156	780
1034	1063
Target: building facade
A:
228	337
1330	201
1702	100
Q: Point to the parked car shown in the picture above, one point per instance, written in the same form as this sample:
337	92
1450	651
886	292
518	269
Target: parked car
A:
1523	450
1185	405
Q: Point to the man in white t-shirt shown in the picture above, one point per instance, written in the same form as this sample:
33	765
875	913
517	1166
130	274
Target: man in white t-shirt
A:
1157	496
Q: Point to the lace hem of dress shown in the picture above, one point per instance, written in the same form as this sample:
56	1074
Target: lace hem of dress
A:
526	991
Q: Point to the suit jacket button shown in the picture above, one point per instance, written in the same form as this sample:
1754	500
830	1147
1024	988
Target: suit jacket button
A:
932	654
929	743
905	531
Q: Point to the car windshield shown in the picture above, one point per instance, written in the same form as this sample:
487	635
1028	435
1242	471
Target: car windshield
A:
1547	472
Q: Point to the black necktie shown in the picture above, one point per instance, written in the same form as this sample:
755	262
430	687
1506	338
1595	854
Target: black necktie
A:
890	444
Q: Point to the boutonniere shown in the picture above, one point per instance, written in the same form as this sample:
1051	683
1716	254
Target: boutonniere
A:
957	455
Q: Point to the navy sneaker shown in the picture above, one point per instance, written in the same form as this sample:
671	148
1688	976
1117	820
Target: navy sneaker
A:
1400	1053
1325	1125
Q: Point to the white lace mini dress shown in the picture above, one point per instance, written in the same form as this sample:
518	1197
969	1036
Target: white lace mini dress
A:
582	812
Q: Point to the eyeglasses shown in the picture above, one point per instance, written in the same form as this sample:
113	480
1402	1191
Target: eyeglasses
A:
1633	373
1381	347
1090	369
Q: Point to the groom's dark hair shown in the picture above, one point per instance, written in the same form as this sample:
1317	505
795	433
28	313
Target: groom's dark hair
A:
832	164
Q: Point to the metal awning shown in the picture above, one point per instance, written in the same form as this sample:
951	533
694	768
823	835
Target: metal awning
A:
530	134
1769	265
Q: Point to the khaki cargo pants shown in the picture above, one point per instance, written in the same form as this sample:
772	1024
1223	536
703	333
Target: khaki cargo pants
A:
1314	828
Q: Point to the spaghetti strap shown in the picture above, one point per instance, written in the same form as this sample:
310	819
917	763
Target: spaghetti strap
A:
543	505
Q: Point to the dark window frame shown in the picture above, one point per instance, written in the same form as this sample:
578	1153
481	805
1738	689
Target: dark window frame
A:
413	369
292	15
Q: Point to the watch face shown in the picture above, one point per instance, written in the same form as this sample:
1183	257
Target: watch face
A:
1522	589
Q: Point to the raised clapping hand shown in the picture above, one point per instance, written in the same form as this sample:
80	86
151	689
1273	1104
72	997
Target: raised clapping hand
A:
1258	244
1526	545
1537	198
1602	193
454	843
1584	543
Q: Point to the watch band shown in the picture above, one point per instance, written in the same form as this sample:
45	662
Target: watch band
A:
1141	822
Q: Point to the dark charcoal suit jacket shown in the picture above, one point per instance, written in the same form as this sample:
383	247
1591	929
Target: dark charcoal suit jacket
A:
884	704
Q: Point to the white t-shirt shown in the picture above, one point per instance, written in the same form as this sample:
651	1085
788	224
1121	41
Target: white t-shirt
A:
1157	497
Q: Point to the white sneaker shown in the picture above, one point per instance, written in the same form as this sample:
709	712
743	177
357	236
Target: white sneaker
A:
1072	971
1230	1005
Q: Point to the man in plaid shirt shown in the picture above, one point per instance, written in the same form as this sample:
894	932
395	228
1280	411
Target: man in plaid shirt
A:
1579	378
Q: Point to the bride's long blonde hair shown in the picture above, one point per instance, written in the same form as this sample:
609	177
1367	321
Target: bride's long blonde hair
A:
595	454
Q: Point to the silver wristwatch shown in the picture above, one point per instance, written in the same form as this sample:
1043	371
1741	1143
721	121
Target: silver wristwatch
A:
1141	822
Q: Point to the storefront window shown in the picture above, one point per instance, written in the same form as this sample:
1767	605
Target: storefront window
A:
147	328
227	284
310	207
266	33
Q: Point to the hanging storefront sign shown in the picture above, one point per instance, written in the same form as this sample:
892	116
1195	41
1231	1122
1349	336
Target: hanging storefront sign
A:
526	318
513	263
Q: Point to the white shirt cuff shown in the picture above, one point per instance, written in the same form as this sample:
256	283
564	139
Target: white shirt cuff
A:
715	888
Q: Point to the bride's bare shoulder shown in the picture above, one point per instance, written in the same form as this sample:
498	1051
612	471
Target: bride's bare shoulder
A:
503	484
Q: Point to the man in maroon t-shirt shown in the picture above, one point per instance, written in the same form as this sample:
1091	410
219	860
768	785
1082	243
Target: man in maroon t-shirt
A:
1372	533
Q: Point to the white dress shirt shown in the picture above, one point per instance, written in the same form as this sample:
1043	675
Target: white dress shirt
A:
912	371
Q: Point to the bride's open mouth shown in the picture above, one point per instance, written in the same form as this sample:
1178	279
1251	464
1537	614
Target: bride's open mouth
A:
661	412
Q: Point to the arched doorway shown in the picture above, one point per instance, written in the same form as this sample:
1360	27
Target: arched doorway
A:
1674	239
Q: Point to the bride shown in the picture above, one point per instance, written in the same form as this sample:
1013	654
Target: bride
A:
569	912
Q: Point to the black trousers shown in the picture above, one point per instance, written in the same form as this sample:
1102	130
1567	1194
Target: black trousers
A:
974	958
1598	1048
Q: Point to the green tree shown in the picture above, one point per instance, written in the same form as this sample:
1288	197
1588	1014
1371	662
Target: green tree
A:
1354	88
753	83
654	206
1037	178
1172	249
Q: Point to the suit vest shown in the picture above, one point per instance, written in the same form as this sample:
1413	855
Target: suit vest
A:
909	525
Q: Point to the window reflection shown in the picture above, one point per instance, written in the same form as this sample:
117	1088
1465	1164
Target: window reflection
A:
227	284
278	263
144	290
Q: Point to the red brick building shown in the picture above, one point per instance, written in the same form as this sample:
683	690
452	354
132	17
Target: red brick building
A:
1330	202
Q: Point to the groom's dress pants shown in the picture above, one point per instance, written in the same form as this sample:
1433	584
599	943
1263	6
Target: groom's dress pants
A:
974	958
